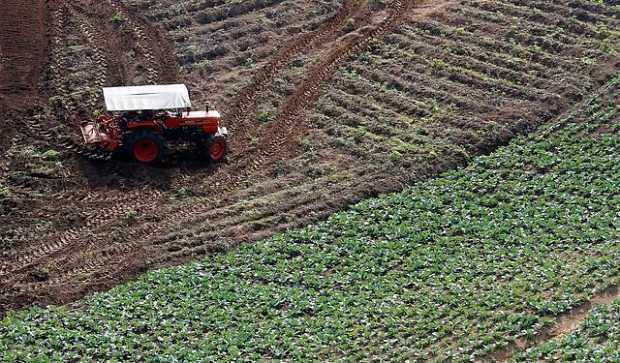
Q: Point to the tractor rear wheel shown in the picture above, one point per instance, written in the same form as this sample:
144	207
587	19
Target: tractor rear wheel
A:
146	146
216	148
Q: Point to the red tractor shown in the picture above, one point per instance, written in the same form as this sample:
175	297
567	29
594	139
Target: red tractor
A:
142	121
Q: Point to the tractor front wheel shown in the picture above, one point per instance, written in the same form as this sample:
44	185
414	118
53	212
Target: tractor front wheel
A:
146	146
216	148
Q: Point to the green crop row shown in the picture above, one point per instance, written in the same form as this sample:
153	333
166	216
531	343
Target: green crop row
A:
596	340
452	268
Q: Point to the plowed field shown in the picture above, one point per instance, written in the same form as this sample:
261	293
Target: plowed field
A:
327	102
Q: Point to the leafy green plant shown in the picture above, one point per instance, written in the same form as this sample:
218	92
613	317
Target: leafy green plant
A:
349	25
4	191
249	62
131	216
50	155
438	64
280	168
305	144
264	116
117	18
253	142
41	273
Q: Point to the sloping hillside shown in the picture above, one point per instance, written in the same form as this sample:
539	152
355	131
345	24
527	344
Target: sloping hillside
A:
477	264
328	102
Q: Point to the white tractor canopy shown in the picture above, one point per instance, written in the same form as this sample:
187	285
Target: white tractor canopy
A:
136	98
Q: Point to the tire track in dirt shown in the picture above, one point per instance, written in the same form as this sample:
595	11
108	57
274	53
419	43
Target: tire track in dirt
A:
20	263
74	236
243	107
246	101
58	74
231	226
63	98
285	130
289	125
152	65
23	47
106	257
57	65
55	244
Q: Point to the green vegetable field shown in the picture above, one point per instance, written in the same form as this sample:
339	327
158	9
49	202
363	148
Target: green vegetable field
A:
455	268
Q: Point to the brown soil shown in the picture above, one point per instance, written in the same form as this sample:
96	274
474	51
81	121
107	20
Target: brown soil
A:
53	269
23	46
84	223
23	54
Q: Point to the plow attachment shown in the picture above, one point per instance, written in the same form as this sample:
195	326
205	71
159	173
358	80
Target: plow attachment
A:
100	133
92	134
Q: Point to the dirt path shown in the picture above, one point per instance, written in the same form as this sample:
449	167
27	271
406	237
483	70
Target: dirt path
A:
69	23
565	323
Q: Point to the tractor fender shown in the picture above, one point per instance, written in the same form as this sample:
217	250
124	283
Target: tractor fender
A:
144	125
